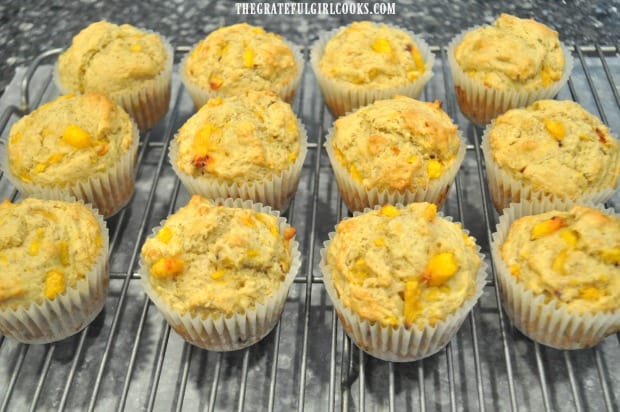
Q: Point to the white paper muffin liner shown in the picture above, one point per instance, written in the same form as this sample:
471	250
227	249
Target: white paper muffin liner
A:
68	313
481	104
400	344
547	323
342	97
200	94
357	197
107	191
242	329
276	191
506	189
146	105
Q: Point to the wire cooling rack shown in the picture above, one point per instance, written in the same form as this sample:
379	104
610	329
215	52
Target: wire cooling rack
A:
128	359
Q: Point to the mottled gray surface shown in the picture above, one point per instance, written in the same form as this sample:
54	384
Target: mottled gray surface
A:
29	27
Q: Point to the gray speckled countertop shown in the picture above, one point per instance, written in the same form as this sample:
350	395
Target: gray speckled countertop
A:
29	27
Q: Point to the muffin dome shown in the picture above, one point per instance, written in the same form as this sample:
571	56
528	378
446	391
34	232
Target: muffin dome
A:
368	53
397	150
131	66
76	146
69	139
551	149
513	53
237	58
107	58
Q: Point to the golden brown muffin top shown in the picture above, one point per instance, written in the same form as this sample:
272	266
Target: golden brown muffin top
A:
402	266
46	247
212	261
248	137
557	147
365	53
572	258
107	58
398	144
241	57
69	139
513	53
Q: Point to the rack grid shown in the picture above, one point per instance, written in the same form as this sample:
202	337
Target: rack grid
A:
128	359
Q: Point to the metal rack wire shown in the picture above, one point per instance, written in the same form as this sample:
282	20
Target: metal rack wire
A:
128	359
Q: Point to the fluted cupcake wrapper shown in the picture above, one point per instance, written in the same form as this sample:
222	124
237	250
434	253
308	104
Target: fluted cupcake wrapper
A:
506	189
146	105
108	191
239	330
276	191
399	344
200	95
357	197
546	322
68	313
481	104
342	97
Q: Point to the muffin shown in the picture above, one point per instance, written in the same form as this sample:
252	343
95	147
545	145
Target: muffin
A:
363	62
249	146
398	150
220	273
54	277
241	57
558	273
402	279
81	147
131	66
550	150
507	65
